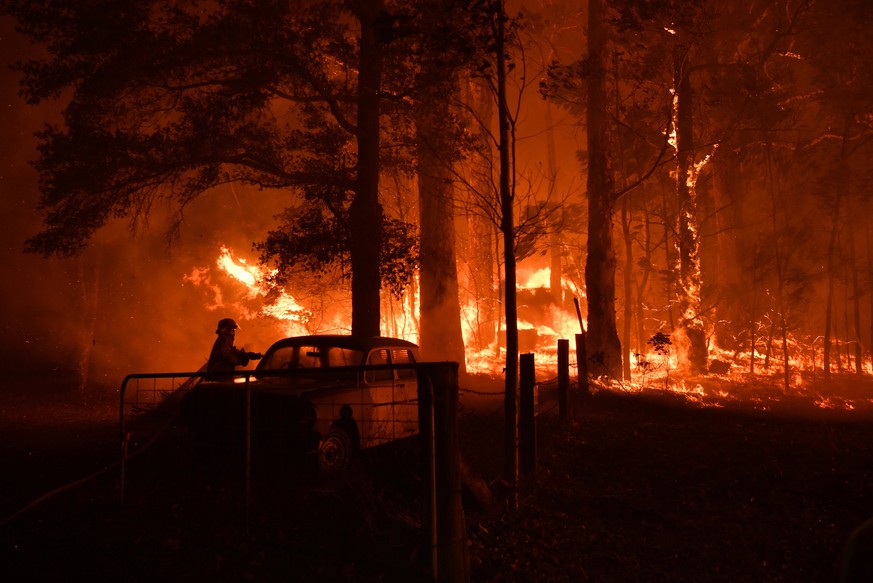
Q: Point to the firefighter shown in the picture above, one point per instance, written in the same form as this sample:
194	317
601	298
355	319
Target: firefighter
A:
225	357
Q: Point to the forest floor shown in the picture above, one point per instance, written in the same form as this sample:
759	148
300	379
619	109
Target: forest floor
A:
643	486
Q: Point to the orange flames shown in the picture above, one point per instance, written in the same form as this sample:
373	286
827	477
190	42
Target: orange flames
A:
282	307
653	371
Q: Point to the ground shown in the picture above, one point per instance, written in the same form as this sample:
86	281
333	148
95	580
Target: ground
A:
642	486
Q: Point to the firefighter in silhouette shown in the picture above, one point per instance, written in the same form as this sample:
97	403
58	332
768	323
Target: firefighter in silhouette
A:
225	357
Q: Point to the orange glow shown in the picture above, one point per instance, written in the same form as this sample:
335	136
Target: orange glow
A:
260	298
652	372
240	270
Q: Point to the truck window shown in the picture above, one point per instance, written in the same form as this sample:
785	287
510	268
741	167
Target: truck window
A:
379	357
403	356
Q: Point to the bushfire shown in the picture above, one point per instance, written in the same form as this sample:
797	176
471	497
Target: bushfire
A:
244	289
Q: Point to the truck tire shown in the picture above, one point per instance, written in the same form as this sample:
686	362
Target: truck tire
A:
335	451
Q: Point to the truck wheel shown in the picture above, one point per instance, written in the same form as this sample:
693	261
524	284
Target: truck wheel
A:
335	451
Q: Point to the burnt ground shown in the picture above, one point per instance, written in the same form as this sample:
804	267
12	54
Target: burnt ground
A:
641	487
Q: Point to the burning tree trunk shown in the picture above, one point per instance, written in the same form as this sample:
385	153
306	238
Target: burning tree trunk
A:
604	348
690	322
365	212
628	279
830	325
753	310
856	303
669	258
781	266
441	337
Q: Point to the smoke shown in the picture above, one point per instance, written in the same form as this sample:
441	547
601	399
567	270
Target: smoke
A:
124	305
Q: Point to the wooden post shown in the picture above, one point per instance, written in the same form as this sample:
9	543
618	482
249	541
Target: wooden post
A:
563	377
527	425
582	364
248	454
581	354
452	555
426	434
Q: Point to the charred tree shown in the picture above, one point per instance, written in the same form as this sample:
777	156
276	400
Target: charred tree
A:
857	292
646	266
365	212
687	231
835	226
782	263
602	342
869	237
628	284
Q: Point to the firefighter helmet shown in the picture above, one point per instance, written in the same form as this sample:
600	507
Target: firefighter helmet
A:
226	323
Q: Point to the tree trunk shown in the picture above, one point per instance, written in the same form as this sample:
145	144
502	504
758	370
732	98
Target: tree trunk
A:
556	218
507	230
604	348
670	260
870	279
628	287
690	322
856	304
781	267
556	252
89	286
365	212
642	337
441	338
753	323
847	328
769	350
829	302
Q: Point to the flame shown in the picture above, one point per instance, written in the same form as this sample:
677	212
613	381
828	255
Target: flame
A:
239	269
651	371
281	306
539	278
696	168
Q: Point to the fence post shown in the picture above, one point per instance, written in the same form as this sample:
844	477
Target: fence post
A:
452	562
582	364
248	453
563	377
527	425
426	434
